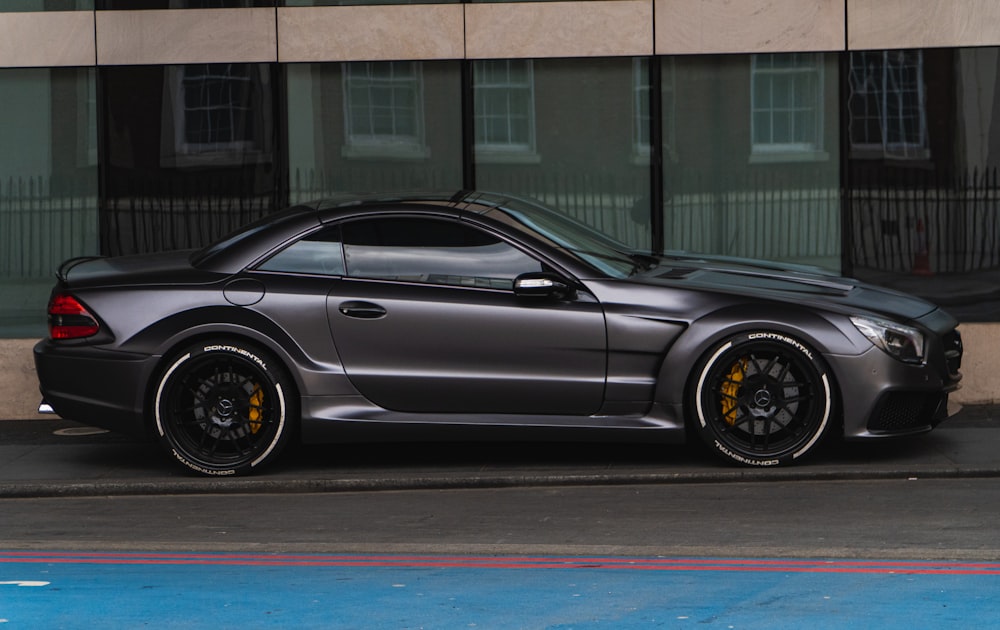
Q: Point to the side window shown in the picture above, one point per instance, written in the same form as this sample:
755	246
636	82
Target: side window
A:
432	251
319	253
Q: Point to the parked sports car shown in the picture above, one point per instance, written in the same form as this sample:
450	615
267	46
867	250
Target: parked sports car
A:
426	316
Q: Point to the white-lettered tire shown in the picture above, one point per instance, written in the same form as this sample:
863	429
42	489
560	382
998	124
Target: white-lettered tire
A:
762	398
224	408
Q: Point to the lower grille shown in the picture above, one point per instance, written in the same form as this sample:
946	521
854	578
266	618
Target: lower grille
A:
905	411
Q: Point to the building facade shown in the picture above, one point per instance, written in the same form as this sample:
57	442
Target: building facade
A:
861	136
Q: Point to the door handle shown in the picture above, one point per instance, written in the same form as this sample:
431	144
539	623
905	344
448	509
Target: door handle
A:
361	310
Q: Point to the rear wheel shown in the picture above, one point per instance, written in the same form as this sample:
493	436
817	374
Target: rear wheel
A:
762	399
223	408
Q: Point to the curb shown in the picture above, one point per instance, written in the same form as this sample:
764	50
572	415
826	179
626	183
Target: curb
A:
444	481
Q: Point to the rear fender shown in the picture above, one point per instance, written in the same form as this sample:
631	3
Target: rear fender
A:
315	372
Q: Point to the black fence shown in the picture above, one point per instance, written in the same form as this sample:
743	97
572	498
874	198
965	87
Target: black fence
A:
922	223
926	222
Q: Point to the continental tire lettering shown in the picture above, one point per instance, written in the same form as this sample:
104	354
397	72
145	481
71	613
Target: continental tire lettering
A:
202	470
783	339
239	351
745	460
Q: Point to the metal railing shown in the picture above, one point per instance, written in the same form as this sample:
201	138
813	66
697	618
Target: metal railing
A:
926	222
943	223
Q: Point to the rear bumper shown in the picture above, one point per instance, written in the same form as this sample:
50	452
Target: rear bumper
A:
98	387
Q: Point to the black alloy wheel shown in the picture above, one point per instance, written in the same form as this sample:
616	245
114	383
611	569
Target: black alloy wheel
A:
762	399
224	408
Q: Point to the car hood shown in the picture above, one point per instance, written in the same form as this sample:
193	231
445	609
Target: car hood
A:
785	282
160	268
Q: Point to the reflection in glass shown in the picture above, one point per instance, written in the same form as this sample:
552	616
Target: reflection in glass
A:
373	127
23	6
750	167
130	5
564	131
189	153
48	186
923	184
504	106
317	3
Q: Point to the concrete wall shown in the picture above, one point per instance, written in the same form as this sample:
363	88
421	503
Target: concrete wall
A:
18	383
580	28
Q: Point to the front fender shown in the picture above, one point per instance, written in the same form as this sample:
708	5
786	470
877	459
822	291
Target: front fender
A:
826	336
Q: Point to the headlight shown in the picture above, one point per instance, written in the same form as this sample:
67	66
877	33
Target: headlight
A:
903	342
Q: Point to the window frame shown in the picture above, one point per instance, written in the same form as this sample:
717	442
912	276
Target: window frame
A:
804	65
178	151
878	88
487	283
360	145
525	151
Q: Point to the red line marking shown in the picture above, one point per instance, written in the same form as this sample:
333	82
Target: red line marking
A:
502	562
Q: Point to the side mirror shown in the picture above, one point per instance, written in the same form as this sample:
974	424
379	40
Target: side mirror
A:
543	285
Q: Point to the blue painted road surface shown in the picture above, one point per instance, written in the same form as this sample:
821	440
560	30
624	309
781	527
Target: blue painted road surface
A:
247	591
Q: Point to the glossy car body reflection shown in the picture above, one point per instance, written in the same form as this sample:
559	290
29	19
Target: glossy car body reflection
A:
420	316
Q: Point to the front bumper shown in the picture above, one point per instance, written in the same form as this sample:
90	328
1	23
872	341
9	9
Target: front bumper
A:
98	387
883	397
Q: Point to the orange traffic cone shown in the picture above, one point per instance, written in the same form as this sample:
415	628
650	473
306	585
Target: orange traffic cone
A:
921	260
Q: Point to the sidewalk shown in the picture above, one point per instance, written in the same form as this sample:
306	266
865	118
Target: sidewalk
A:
59	458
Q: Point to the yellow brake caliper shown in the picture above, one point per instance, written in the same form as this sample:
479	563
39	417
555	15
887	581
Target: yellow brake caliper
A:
256	402
730	391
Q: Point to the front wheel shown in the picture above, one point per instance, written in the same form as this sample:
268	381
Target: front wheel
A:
223	408
762	399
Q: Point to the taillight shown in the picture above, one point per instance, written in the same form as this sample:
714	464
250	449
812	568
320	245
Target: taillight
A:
68	319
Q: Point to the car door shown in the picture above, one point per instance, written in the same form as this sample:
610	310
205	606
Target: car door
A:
425	320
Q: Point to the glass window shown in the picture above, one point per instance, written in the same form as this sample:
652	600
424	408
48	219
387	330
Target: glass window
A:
383	109
316	3
318	254
721	195
188	154
215	106
48	188
923	180
505	109
432	251
128	5
786	102
886	104
364	127
22	6
565	132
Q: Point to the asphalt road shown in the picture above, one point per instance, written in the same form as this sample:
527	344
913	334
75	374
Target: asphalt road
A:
914	519
936	496
96	530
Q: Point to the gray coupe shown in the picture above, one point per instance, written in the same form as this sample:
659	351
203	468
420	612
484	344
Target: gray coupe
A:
434	316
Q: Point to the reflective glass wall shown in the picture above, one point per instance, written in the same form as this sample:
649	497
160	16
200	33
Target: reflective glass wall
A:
751	161
190	152
373	126
48	186
572	133
923	194
880	164
18	6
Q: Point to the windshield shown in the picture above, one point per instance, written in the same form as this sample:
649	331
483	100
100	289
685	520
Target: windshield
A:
611	257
